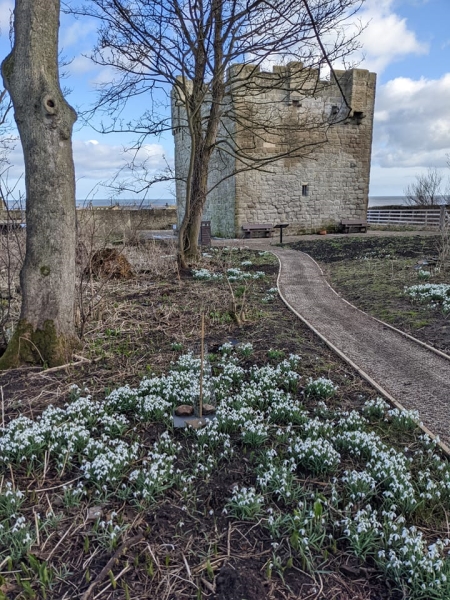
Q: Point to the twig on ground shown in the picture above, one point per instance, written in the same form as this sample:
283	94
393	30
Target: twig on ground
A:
206	583
110	564
65	366
116	578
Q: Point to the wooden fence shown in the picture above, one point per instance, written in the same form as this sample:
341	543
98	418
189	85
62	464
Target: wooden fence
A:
434	218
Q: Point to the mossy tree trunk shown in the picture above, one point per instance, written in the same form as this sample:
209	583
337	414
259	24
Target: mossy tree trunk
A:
46	331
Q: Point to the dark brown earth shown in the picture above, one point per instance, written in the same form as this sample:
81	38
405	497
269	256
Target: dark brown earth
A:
131	334
332	249
234	582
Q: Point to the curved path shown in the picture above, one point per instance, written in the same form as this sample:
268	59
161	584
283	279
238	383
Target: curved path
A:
411	374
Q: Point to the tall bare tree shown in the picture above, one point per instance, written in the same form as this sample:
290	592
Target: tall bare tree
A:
190	45
426	190
44	119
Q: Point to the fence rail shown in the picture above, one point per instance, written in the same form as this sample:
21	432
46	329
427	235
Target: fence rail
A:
424	217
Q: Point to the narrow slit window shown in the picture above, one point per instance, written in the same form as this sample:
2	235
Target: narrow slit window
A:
305	189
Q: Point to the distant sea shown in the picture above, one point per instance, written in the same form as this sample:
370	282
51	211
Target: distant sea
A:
134	203
386	200
159	202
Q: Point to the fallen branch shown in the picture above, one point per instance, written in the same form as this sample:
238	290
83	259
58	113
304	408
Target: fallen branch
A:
81	361
110	564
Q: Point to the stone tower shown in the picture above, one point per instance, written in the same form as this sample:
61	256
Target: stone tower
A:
302	152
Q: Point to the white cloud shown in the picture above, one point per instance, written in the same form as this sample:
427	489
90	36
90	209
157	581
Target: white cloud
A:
78	31
387	37
392	182
411	132
412	122
104	75
81	65
98	160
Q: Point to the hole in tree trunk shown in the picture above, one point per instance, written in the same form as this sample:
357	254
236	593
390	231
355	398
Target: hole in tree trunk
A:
2	350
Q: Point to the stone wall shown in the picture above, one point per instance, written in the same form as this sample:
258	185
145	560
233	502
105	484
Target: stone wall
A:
111	223
182	151
220	206
323	143
122	223
219	209
11	215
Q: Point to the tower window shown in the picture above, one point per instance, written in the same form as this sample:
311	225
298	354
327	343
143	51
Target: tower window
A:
305	189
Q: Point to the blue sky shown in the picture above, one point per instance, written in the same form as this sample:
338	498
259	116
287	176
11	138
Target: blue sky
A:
406	42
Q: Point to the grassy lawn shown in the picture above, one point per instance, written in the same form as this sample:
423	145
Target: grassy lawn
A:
372	273
304	484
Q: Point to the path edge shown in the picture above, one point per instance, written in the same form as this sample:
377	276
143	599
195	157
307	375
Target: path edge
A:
403	333
349	361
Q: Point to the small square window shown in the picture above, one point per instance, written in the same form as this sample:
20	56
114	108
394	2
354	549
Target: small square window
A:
305	190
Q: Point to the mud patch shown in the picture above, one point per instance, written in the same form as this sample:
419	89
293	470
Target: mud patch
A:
239	582
351	248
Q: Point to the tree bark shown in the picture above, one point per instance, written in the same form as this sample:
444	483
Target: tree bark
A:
46	331
203	139
190	227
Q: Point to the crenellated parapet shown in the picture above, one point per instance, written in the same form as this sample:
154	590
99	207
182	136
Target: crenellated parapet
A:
308	138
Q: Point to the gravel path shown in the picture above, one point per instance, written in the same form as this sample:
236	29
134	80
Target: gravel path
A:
413	375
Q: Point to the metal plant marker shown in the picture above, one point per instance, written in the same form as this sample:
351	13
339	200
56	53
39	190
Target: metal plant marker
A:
202	358
198	419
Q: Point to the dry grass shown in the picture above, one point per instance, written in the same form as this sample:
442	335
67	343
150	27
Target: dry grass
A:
131	332
12	253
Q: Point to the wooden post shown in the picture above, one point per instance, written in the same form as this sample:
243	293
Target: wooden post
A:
202	358
443	210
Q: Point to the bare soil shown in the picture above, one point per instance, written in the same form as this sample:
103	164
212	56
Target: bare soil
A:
130	334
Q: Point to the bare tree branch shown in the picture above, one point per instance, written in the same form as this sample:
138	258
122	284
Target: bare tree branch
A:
159	47
426	190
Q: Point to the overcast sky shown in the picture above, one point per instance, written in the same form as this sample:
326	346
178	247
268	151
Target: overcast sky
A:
406	42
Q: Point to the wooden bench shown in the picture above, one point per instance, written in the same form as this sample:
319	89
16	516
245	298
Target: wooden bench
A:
250	229
6	226
355	225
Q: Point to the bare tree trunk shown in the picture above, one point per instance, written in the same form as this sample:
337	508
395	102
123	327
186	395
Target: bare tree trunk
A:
203	140
190	227
45	332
